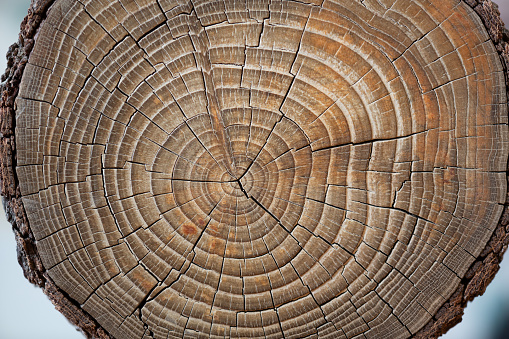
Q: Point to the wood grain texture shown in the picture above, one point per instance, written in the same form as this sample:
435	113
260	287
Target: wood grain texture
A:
258	168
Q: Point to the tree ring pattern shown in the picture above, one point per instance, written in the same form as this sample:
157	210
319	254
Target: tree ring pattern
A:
261	168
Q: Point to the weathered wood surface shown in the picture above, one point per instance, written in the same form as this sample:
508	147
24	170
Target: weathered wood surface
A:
258	168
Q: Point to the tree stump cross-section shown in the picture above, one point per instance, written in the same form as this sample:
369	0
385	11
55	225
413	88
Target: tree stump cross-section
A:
264	169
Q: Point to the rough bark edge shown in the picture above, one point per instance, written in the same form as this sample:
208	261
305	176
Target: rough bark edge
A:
477	278
28	257
484	268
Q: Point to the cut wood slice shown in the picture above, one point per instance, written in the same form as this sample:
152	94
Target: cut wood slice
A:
262	169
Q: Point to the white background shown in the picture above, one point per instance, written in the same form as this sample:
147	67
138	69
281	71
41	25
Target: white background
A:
25	312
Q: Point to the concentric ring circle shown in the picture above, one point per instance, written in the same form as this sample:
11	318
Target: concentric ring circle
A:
262	168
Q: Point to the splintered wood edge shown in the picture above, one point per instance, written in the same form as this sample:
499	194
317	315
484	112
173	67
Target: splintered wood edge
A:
477	278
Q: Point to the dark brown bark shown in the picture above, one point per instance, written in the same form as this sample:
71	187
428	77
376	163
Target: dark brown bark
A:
28	257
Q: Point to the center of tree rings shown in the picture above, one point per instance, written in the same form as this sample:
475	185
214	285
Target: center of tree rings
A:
261	169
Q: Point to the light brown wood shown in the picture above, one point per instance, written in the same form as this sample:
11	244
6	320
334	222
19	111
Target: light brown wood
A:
262	168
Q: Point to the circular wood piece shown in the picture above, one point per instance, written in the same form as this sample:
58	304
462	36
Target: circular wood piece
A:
265	169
